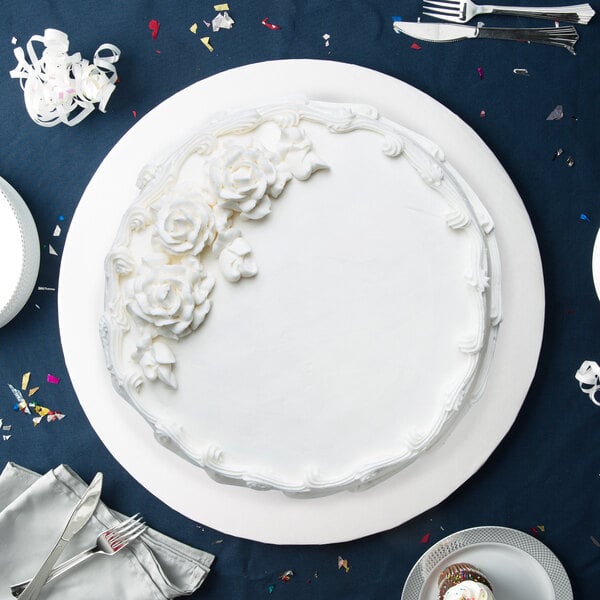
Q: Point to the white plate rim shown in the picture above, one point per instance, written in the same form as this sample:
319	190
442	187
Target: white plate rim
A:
266	516
497	535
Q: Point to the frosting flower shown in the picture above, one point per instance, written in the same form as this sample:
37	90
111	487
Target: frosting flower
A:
172	297
184	225
245	180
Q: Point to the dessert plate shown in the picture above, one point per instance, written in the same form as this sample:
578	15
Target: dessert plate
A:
518	565
596	264
19	253
271	516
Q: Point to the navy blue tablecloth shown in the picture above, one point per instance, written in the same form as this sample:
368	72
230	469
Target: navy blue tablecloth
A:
544	477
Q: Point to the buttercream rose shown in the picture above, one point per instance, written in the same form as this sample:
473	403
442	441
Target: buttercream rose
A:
184	225
245	179
172	297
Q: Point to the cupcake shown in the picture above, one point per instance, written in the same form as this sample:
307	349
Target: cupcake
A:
463	581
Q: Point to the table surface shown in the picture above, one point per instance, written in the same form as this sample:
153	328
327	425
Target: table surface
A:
544	477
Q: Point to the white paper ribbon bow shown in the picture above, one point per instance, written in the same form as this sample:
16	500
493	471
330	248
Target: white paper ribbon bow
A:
58	84
588	376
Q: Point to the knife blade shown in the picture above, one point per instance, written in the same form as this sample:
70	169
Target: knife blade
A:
79	517
565	37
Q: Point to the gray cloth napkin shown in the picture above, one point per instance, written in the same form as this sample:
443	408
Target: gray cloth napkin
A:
33	511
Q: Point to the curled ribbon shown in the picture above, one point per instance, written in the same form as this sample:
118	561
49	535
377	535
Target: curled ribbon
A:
58	84
588	376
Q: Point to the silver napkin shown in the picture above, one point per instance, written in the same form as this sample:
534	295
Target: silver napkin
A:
33	512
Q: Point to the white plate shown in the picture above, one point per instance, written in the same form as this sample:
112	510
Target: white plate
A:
517	565
19	253
271	516
596	264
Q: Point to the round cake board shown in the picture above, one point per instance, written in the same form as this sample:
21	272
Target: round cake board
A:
271	516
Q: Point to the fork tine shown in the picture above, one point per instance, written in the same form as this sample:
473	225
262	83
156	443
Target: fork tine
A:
442	11
119	541
122	528
445	4
444	17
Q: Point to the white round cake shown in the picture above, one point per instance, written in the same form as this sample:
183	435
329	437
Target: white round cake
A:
304	297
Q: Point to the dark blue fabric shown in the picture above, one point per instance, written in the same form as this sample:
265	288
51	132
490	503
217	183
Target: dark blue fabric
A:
547	469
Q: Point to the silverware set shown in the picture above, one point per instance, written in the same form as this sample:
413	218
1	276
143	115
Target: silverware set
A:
109	542
462	11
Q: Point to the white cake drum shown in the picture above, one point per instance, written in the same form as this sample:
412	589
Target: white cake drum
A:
273	516
285	324
19	253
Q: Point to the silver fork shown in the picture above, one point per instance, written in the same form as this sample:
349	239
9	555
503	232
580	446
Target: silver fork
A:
461	11
108	542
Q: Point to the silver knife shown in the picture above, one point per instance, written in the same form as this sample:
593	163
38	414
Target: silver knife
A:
81	515
565	37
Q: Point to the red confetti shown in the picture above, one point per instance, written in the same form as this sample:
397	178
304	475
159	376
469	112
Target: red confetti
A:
52	379
425	538
268	25
534	531
415	46
134	113
480	71
154	26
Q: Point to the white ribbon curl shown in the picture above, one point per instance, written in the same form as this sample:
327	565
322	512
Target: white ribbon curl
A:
588	376
58	84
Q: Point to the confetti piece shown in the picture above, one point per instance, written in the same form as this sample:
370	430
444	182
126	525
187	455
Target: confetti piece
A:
6	427
218	542
595	541
557	153
206	42
326	37
287	575
542	528
534	531
343	563
13	41
52	379
134	113
220	7
36	421
52	251
206	23
25	380
42	411
54	416
415	46
16	393
61	218
32	391
521	72
6	437
268	25
425	538
270	588
480	71
57	231
482	114
570	161
556	114
222	21
584	217
154	26
194	28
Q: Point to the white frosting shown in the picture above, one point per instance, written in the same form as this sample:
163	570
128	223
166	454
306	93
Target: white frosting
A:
367	320
469	590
